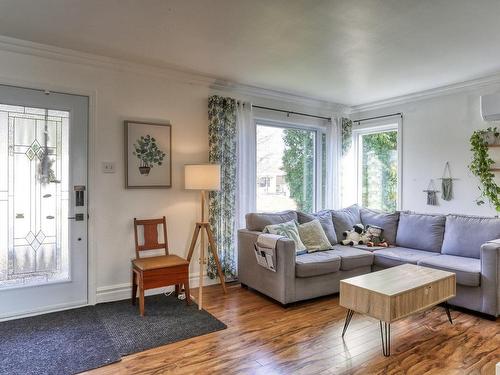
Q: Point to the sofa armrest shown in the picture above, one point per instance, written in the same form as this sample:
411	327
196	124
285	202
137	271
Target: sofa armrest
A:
279	285
490	276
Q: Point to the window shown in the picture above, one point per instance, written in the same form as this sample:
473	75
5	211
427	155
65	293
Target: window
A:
287	160
377	159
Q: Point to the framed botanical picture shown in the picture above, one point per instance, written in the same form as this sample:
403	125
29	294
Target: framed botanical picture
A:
148	155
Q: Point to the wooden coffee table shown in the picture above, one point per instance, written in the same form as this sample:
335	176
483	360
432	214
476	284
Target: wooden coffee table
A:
395	293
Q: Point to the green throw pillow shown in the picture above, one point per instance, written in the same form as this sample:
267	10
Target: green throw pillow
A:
313	236
288	229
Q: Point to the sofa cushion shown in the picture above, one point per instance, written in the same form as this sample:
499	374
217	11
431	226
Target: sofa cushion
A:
387	221
352	258
325	218
313	236
420	231
345	219
395	256
464	235
467	270
290	230
258	221
315	264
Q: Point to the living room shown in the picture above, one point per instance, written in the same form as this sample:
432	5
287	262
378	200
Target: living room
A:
284	187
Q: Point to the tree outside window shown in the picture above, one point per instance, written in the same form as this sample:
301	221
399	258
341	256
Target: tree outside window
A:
379	170
286	160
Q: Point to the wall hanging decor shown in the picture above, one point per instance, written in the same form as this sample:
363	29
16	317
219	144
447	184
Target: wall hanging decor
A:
447	183
148	155
483	166
431	194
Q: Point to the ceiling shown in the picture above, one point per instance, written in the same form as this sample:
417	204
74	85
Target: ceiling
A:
345	51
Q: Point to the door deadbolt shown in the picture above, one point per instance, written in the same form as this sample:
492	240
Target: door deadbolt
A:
79	195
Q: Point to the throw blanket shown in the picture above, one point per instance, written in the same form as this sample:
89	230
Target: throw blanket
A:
265	250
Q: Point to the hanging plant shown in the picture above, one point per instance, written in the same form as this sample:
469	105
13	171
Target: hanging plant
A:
482	164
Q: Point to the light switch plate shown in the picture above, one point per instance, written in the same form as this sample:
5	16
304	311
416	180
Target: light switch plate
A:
108	167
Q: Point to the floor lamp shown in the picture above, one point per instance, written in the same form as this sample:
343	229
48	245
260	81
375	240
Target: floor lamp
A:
203	177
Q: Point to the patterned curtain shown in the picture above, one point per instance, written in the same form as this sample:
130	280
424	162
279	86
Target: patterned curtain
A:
222	136
346	135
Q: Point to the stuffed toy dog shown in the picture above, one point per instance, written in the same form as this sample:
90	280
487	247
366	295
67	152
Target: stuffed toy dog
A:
353	236
374	234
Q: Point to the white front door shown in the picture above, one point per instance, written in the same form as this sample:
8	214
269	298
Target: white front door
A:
43	201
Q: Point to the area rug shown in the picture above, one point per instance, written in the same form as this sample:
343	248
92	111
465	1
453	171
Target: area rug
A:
166	320
73	341
61	343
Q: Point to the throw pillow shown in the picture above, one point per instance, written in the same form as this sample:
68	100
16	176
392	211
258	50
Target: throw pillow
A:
421	231
387	221
345	219
325	219
313	236
288	229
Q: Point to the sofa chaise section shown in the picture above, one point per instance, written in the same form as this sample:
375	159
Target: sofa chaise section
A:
464	245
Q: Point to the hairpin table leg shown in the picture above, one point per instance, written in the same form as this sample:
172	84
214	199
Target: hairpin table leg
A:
348	318
385	334
447	308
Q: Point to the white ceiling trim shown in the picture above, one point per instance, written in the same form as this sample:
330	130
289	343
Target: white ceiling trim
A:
431	93
223	86
174	73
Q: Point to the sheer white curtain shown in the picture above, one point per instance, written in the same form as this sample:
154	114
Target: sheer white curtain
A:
245	196
333	145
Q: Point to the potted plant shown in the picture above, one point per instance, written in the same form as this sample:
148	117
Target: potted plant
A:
482	165
491	136
148	153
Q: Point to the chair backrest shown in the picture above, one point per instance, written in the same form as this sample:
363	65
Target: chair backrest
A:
150	227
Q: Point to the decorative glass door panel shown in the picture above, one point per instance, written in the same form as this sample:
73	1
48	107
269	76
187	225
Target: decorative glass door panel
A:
34	205
43	160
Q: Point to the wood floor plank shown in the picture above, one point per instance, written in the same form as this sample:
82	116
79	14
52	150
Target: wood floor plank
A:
265	338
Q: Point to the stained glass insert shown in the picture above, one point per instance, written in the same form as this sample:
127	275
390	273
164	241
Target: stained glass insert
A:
33	213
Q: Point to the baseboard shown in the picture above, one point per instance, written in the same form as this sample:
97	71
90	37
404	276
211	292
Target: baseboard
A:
122	291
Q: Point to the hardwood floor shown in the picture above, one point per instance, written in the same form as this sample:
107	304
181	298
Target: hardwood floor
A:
264	338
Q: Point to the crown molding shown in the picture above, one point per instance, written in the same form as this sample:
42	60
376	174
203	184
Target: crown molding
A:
168	71
257	94
431	93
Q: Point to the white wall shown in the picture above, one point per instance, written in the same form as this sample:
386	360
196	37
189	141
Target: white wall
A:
436	130
122	94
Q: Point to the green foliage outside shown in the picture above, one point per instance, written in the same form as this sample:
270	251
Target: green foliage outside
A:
380	171
298	164
379	174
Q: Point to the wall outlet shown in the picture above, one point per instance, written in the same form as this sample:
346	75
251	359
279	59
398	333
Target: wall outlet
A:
108	167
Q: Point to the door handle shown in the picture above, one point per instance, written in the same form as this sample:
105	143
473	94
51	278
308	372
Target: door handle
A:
77	217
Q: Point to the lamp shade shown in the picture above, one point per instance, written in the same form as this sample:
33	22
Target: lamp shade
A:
202	177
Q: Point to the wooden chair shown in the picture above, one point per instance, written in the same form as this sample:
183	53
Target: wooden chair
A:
156	271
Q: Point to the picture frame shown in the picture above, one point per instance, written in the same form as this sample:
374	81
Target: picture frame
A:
148	155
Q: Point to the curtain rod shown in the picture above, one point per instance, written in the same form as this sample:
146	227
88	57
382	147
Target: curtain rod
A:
291	112
377	117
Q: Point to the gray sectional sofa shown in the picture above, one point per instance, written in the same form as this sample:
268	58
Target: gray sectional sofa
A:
469	246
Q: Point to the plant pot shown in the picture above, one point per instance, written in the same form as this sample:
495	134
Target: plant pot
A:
144	170
490	138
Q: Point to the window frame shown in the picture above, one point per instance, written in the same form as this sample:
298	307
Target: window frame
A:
318	150
373	127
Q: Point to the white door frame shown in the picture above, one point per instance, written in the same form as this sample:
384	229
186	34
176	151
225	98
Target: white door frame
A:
91	175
